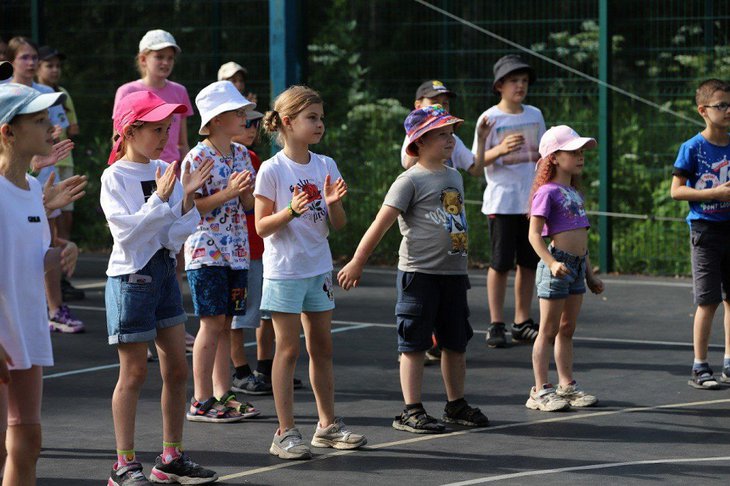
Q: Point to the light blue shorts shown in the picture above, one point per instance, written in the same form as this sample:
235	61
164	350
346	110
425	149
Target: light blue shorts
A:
252	318
294	296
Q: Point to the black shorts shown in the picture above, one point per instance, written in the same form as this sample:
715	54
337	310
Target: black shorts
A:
432	304
509	236
710	249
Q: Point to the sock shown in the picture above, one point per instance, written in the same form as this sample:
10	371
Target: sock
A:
125	457
264	366
726	361
171	451
243	371
454	403
413	406
699	363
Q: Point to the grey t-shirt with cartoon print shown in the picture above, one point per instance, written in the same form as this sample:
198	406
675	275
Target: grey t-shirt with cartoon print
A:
432	220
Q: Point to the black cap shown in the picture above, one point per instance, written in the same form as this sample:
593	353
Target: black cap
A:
47	52
6	70
509	64
433	88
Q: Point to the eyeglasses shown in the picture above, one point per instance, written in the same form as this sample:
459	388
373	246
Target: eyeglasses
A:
253	123
719	106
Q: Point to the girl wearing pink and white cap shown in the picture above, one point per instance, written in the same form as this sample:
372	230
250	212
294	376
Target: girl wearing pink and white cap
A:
558	212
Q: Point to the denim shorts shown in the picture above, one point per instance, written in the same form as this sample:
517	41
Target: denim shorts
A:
138	304
551	287
294	296
218	291
252	318
432	304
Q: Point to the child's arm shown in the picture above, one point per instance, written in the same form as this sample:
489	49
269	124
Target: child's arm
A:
594	283
350	274
182	143
5	361
682	192
333	194
483	130
557	268
510	144
238	183
268	222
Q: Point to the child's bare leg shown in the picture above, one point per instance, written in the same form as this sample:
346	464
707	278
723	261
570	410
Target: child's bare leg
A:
524	288
701	329
411	376
23	444
204	353
174	370
317	330
53	279
238	352
726	322
265	340
496	290
564	339
222	365
550	311
453	370
286	327
132	374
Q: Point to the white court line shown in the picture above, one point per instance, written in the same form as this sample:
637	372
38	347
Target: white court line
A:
588	467
423	438
93	285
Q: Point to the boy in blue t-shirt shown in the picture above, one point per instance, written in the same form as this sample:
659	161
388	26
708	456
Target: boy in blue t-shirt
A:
701	175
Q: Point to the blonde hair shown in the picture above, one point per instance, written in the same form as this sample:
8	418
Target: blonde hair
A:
289	103
138	63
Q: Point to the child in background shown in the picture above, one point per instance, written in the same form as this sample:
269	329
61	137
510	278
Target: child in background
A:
25	344
150	214
558	213
217	253
510	168
297	193
701	177
427	200
236	74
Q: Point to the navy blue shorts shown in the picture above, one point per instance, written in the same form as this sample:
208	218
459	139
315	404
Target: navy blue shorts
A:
218	291
432	304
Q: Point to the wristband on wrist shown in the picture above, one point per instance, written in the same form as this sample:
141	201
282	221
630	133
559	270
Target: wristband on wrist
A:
293	213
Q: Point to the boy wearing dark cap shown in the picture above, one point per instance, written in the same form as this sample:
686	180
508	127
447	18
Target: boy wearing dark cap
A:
510	156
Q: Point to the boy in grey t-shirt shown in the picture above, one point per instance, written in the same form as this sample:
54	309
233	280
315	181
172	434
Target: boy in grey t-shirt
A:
428	202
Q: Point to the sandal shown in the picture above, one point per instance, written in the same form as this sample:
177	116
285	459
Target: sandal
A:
463	414
246	409
417	421
703	379
212	411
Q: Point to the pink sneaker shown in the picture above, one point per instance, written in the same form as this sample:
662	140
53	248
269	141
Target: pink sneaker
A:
63	321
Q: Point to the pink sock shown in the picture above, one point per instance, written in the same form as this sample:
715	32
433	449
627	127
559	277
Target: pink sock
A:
125	457
171	451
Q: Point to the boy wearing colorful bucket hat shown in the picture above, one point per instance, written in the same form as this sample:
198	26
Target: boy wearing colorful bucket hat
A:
432	279
512	150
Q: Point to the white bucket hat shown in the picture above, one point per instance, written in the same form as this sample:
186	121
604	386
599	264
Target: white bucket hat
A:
227	70
155	40
217	98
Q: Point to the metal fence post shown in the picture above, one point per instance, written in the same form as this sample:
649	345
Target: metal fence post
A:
36	14
286	43
604	137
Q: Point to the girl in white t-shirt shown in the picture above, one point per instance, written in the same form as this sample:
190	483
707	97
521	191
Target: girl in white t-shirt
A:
297	194
25	344
150	214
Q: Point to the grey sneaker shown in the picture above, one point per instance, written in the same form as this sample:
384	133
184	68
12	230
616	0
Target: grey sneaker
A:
290	445
725	377
337	436
495	335
546	400
575	396
251	385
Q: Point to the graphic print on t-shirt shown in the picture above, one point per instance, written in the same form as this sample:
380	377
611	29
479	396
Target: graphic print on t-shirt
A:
148	188
528	151
712	175
317	211
572	203
452	218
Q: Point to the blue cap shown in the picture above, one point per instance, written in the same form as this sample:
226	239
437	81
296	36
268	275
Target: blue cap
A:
18	99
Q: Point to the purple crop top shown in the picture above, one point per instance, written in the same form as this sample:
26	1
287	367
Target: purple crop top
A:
561	206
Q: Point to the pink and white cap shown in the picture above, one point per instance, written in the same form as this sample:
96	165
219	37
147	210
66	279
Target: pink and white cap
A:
563	137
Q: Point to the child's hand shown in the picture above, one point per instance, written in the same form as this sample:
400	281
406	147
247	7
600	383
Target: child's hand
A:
5	360
594	284
722	192
194	180
511	143
63	193
558	269
349	276
484	128
333	193
166	182
59	151
69	255
239	182
299	201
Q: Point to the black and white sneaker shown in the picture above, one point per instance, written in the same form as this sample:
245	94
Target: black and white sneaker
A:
495	335
181	470
129	475
527	331
725	378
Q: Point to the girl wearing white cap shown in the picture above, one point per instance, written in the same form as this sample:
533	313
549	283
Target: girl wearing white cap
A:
558	212
217	253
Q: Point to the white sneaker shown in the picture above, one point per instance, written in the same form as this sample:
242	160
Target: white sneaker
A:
546	400
290	445
337	436
575	396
